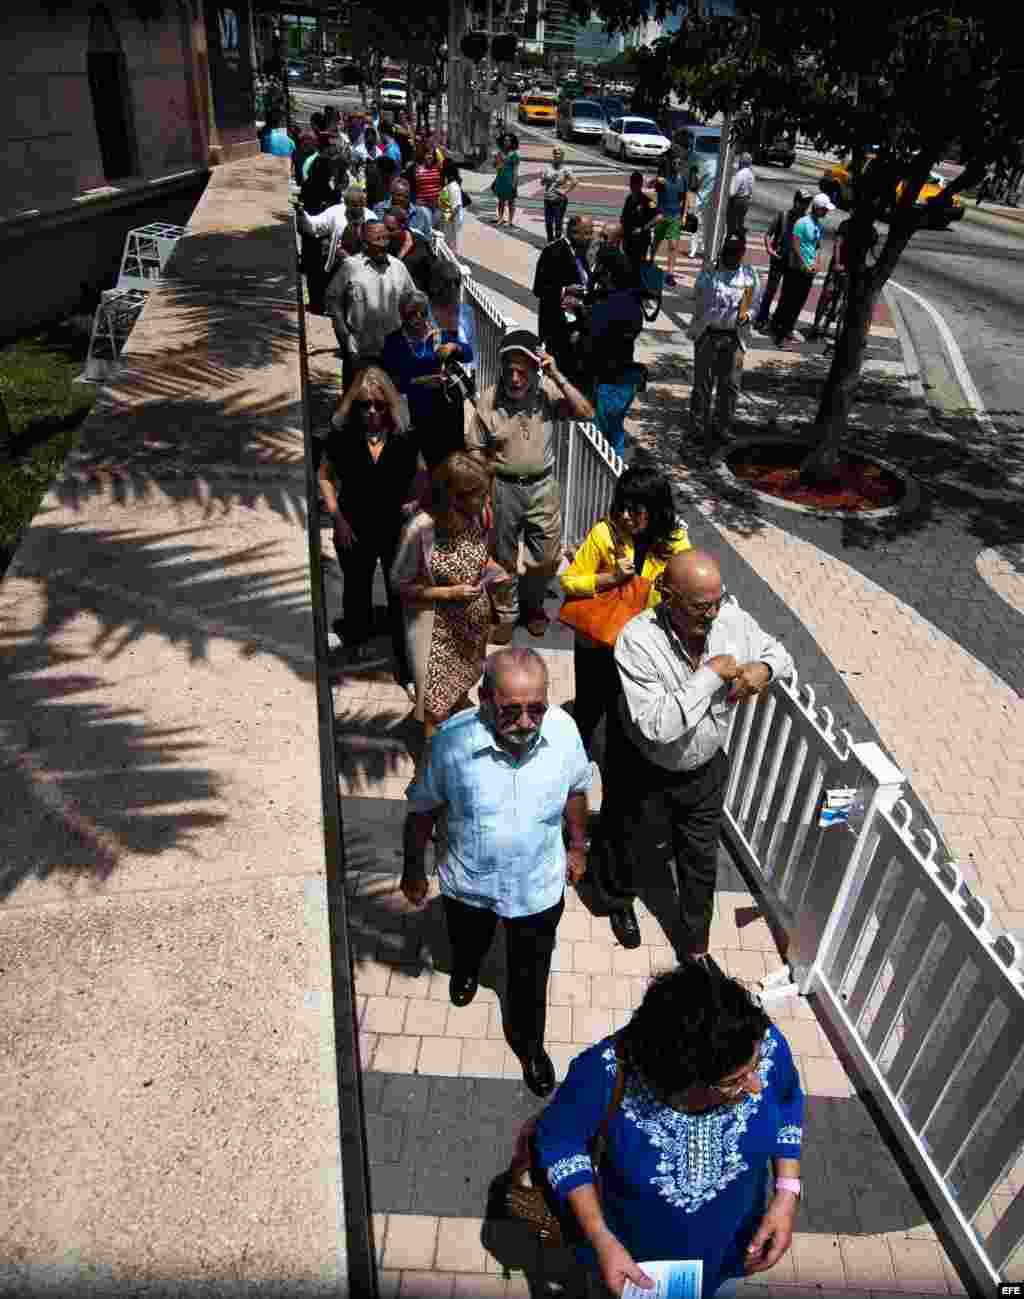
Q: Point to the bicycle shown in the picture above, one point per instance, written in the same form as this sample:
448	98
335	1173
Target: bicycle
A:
832	302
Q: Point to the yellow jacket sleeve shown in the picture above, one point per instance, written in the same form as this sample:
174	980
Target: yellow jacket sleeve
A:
593	557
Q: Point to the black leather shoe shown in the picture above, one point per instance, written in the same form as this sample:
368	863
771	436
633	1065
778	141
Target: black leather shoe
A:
539	1073
462	988
625	927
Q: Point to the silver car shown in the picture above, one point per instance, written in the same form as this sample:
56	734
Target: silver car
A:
580	118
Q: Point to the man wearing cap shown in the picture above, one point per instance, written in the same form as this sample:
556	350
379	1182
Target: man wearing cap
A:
724	300
776	243
740	193
515	423
803	261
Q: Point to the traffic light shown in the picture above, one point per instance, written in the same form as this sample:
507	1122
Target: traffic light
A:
474	46
503	47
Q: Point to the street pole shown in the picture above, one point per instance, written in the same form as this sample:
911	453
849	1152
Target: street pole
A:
714	227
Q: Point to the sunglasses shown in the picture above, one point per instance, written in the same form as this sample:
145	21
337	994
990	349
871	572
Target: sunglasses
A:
675	600
371	403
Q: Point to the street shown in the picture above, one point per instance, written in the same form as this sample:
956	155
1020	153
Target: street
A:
973	273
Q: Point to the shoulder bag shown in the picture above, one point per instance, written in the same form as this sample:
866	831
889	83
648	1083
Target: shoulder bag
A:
535	1204
601	617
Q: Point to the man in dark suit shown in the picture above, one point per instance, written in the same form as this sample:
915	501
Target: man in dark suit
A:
562	265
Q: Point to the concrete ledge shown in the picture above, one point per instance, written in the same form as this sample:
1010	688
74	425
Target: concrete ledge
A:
170	1089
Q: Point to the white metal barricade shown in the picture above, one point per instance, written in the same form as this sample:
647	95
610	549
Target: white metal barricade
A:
147	251
117	313
898	954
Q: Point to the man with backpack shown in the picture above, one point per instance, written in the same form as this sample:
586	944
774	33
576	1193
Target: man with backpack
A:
777	241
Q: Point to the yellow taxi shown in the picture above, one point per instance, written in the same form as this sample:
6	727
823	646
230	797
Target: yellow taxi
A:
541	110
835	182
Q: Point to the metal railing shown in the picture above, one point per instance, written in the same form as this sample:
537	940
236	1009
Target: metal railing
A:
586	467
926	1002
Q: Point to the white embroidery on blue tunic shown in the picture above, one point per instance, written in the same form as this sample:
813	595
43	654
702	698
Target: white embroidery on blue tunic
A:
790	1134
699	1153
563	1168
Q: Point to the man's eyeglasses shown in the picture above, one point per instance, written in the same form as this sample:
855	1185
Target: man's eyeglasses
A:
371	403
509	713
678	601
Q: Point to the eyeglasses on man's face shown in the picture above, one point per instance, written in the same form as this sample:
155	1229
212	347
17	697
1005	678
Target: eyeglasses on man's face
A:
372	403
509	714
676	600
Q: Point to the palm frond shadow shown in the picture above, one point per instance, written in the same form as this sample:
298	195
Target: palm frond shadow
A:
89	782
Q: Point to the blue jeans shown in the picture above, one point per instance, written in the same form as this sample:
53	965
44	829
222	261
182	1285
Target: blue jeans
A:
611	403
554	215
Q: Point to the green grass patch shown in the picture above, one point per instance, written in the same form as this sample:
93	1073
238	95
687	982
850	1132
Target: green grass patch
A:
46	410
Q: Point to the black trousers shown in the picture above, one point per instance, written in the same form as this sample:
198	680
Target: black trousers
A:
776	270
654	812
358	565
529	942
598	688
796	286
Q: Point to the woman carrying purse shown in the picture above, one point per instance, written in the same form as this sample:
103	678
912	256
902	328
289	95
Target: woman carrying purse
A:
637	539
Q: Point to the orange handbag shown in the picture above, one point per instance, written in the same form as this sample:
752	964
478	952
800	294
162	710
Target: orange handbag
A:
601	617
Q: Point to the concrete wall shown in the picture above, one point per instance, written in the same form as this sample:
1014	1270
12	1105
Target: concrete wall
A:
52	152
51	261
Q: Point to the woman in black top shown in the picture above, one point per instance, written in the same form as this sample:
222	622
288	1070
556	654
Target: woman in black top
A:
317	195
368	476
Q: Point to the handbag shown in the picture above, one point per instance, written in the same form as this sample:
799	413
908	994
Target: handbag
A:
601	617
535	1205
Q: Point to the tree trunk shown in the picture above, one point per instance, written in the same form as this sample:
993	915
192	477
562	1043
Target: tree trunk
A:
822	466
6	436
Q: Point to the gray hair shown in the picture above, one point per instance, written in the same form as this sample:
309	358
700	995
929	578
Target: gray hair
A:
512	660
413	298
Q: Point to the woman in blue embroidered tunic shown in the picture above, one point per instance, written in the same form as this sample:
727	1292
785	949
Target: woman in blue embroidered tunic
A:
711	1095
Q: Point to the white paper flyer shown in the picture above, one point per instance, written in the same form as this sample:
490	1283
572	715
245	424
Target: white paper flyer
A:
677	1278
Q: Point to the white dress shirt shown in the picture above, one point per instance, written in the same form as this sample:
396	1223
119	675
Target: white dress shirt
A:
742	183
677	715
717	298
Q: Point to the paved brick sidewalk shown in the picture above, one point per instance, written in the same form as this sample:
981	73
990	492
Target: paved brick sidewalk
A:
443	1091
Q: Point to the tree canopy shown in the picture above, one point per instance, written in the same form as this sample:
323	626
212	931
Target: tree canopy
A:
896	84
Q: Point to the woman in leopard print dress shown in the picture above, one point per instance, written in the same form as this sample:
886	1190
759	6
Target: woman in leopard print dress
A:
444	572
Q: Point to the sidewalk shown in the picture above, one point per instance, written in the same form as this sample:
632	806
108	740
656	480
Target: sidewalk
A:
855	604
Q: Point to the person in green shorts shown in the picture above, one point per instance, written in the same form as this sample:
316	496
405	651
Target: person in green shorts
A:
668	226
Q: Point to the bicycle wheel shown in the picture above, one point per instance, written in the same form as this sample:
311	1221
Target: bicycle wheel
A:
837	306
829	293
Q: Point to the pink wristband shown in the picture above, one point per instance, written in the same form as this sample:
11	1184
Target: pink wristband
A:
788	1184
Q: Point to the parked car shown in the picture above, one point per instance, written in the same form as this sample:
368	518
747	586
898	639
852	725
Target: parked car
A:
837	184
696	145
635	137
296	71
580	117
780	149
541	110
393	91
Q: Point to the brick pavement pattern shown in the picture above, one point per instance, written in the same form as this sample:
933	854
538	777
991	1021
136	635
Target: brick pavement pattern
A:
443	1091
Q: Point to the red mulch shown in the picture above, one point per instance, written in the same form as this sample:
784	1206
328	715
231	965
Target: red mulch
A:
774	468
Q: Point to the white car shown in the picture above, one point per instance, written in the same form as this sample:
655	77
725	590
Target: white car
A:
392	91
635	137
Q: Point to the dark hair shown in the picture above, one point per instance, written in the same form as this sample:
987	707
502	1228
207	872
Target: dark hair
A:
693	1027
636	175
317	191
612	268
316	121
514	139
643	484
450	172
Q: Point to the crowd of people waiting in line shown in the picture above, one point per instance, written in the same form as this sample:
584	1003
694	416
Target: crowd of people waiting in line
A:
460	507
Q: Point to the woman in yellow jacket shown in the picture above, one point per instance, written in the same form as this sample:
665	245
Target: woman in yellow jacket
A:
639	536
